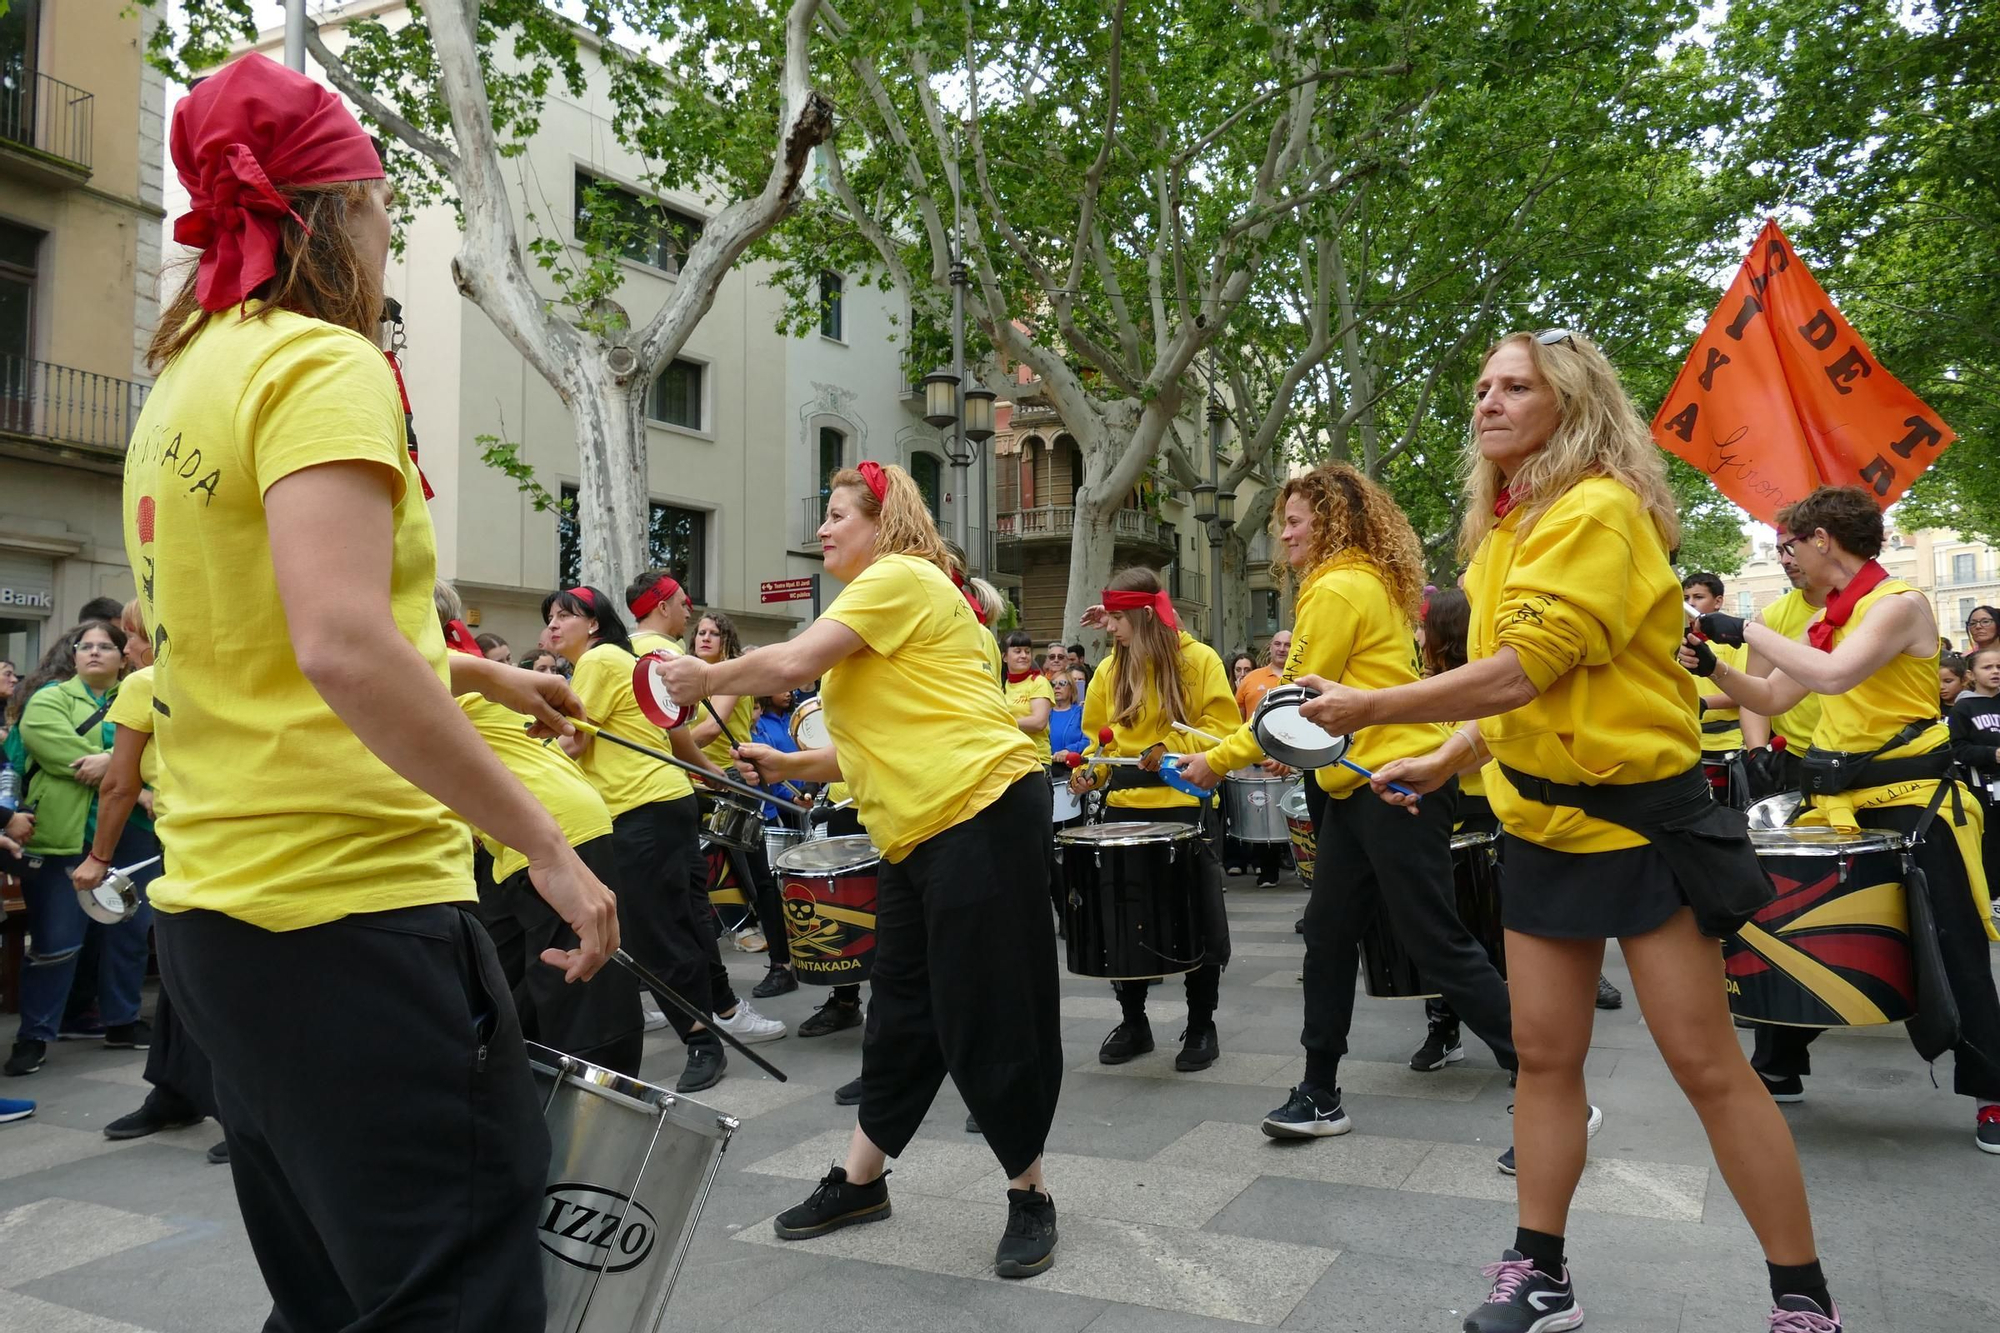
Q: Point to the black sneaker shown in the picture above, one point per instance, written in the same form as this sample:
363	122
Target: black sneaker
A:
1987	1134
1590	1128
1524	1300
1608	995
27	1057
1126	1041
848	1093
1440	1048
1801	1314
1028	1246
833	1205
136	1035
219	1154
1309	1114
1267	879
1198	1048
777	981
1790	1088
705	1064
833	1016
142	1122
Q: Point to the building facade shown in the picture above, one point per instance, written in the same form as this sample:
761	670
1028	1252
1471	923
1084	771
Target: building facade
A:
1955	574
81	149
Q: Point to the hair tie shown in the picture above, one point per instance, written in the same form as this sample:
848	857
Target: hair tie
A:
1160	604
663	590
877	481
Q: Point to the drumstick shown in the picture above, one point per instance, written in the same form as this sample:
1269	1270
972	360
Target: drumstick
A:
1394	786
712	1023
713	780
728	735
1196	731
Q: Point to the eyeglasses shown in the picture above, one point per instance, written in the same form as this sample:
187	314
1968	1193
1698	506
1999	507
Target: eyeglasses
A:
1786	549
1555	337
1979	620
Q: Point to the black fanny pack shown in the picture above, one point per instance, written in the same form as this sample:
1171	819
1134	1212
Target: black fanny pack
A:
1830	772
1706	845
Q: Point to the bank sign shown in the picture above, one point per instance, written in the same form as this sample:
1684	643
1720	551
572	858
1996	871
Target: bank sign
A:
28	598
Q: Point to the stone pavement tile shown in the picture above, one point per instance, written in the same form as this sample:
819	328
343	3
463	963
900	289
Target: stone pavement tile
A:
24	1313
1348	1159
38	1147
1664	1190
1165	1268
1230	1067
853	1297
1162	1012
1378	1078
929	1167
1292	948
49	1235
1134	1319
132	1075
1368	1293
1287	979
753	1093
1157	1193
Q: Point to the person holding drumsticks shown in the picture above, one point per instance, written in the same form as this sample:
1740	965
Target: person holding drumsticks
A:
1872	657
1159	675
954	796
1576	614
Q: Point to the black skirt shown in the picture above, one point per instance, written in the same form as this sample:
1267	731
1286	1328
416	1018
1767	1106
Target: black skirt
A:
1585	895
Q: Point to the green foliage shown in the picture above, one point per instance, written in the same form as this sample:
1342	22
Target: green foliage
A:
505	456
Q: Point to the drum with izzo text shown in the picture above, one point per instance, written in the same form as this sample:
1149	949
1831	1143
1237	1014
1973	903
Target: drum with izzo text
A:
827	891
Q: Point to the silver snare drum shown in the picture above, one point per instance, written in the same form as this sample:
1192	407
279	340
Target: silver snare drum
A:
1252	801
630	1165
1067	804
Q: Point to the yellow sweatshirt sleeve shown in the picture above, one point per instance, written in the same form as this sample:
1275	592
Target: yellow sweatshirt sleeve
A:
1097	702
1567	601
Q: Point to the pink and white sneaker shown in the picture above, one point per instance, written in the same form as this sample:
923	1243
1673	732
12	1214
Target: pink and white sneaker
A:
1801	1314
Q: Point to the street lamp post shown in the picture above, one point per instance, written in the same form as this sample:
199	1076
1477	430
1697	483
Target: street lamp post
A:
1219	513
967	409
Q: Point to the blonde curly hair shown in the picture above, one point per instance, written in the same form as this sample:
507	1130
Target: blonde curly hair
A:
1598	434
902	519
1353	515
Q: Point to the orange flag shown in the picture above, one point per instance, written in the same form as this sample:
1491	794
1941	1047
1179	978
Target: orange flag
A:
1780	396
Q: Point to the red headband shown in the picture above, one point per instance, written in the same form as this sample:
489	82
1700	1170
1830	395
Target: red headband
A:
877	480
1163	605
458	638
663	590
239	138
583	595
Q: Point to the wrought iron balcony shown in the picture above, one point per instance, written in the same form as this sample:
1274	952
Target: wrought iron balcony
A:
77	411
1057	522
1187	585
46	120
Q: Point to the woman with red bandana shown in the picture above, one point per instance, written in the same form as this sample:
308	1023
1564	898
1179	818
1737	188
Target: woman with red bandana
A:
1872	658
315	919
954	796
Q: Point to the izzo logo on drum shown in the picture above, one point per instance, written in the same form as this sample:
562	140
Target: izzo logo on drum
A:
596	1228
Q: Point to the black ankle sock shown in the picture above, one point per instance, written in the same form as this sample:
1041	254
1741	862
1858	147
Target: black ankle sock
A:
1541	1249
1800	1280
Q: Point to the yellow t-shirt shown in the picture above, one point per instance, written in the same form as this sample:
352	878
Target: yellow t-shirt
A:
1722	728
924	738
132	708
1348	630
1587	600
1790	615
993	659
625	778
1205	686
1021	696
1903	690
548	773
739	719
646	641
279	817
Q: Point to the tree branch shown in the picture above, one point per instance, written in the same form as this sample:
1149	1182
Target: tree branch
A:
377	110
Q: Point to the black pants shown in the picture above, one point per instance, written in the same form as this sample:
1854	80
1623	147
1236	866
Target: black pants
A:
384	1132
721	995
965	982
596	1020
182	1078
1375	857
1204	983
1781	1052
1475	815
656	918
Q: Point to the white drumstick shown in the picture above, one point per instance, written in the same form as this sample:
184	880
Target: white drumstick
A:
1197	731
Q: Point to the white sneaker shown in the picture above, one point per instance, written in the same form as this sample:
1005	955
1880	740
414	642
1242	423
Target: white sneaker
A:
749	1027
655	1020
1595	1123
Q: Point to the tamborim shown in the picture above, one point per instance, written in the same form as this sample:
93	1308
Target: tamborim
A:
651	692
630	1165
828	889
1133	904
1286	734
733	821
1833	948
1305	838
808	726
1066	803
1251	803
1388	971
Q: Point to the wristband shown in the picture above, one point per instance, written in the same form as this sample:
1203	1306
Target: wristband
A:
93	856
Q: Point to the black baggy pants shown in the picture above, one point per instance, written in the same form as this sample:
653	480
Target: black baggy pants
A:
657	924
1376	857
964	982
384	1132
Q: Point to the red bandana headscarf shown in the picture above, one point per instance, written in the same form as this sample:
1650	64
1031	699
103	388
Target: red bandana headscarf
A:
663	590
239	138
458	638
1163	605
1840	606
877	481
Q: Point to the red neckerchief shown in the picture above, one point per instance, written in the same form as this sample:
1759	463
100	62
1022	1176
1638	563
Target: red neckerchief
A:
1840	606
409	425
458	638
1503	503
1016	677
971	598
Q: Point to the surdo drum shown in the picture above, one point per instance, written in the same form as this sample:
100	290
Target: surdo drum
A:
1388	972
630	1165
1252	802
1132	905
827	888
1833	948
1305	838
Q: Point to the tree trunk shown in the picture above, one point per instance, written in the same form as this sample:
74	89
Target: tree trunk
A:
1092	547
612	512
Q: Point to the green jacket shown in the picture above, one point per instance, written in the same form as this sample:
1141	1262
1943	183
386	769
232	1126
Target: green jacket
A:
64	807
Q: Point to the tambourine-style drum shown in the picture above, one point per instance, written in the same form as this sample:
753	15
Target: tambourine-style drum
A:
651	693
1288	736
1066	803
827	889
1833	948
1305	838
808	726
1132	905
1251	801
733	821
630	1165
1388	972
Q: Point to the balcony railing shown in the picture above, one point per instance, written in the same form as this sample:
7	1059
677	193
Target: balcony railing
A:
1128	525
63	405
47	115
815	514
1187	585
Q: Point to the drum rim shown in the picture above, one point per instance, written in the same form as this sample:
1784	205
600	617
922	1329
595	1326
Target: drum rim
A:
1811	839
647	1098
1127	833
1291	696
1474	838
847	840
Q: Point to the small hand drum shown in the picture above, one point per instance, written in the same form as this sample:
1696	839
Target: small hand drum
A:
1288	736
116	899
808	726
654	701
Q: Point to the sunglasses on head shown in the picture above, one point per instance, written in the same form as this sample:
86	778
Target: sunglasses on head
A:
1555	338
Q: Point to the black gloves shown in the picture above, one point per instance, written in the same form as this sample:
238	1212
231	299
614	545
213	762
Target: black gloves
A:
1704	656
1724	629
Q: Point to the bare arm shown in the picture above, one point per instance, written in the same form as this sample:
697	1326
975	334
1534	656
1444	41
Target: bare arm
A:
774	765
708	728
116	796
1901	624
1037	720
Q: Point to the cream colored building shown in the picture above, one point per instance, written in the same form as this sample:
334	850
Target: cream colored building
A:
1956	575
81	146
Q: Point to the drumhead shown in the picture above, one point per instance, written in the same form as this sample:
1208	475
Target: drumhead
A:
1126	834
645	1097
1247	776
811	732
1293	803
830	856
1814	841
1288	735
650	692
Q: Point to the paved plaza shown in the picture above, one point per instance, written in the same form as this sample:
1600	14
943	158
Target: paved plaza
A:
1177	1215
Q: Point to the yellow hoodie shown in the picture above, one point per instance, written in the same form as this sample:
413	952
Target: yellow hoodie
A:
1206	687
1348	631
1588	602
